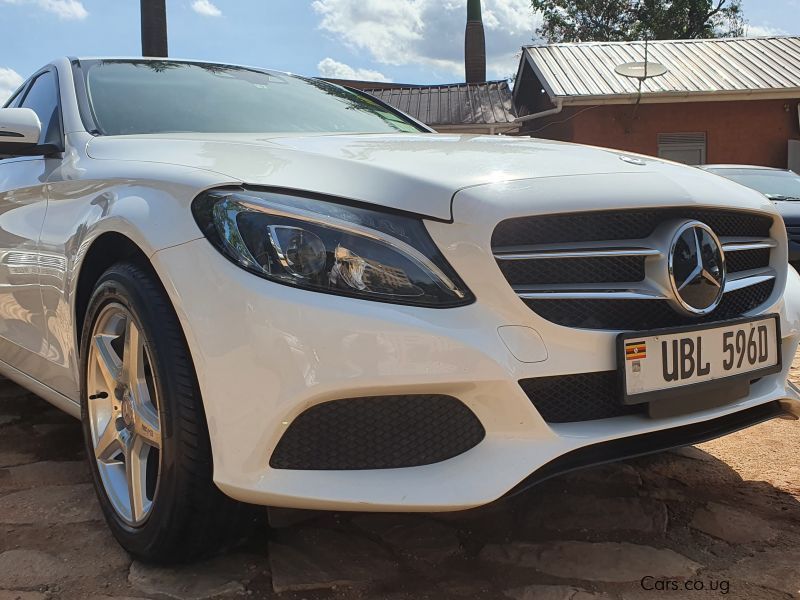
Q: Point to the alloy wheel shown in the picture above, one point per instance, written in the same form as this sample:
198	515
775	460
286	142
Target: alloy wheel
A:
124	419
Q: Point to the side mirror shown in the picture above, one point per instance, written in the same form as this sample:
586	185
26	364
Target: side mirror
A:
20	131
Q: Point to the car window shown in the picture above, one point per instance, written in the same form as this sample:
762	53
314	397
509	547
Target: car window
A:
140	97
42	98
779	185
14	101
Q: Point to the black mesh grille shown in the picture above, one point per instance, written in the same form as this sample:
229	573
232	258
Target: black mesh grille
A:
746	260
382	432
582	397
621	225
574	270
644	314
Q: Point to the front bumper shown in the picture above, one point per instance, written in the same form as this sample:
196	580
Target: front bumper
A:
264	353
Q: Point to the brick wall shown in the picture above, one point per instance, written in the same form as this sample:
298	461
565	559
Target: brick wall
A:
745	132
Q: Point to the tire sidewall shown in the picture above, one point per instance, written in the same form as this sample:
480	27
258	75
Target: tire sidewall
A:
120	284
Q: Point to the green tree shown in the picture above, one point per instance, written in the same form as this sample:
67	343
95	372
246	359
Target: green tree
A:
624	20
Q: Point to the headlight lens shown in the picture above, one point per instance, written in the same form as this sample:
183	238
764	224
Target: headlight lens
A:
328	247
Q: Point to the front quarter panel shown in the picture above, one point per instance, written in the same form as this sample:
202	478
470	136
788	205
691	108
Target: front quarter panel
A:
148	203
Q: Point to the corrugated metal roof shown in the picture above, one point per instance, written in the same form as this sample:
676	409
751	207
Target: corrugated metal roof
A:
487	103
583	71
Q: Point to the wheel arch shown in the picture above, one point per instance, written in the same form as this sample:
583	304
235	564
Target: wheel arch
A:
107	249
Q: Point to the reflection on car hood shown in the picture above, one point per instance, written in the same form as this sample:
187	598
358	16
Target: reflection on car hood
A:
414	172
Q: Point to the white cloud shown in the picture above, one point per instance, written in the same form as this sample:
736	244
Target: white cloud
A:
764	30
428	32
336	70
206	8
68	10
10	80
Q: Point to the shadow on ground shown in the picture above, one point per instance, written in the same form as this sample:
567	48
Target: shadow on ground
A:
642	529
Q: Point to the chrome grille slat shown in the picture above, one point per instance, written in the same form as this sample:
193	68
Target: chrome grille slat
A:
745	279
588	253
745	244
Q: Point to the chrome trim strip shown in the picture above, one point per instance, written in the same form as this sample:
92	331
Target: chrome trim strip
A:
592	295
732	244
744	279
589	253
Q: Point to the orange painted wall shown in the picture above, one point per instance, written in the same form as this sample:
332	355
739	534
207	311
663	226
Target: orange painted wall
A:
746	132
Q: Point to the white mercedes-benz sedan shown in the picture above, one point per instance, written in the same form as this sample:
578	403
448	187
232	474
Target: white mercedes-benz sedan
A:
255	288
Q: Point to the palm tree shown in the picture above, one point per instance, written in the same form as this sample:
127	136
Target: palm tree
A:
154	28
475	44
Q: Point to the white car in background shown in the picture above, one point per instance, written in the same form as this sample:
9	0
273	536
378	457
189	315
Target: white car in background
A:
258	288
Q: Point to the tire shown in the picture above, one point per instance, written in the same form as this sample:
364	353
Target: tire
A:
175	512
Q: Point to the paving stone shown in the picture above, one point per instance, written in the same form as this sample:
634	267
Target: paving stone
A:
418	537
12	459
578	513
46	472
587	561
116	598
312	559
50	505
12	390
776	569
29	568
552	592
465	587
17	595
222	576
616	474
694	454
732	524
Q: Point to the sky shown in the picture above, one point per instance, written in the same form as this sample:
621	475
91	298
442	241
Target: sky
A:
410	41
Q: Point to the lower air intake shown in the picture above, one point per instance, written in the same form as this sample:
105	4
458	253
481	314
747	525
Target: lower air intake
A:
379	432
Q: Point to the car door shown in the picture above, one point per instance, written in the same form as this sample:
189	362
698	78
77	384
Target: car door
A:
23	203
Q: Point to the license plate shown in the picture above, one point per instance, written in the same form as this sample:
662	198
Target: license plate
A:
664	363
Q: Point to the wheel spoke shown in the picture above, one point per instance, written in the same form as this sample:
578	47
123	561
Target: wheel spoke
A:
136	472
108	445
108	360
132	369
147	425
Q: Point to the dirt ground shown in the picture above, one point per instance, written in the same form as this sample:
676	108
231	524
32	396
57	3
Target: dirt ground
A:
720	519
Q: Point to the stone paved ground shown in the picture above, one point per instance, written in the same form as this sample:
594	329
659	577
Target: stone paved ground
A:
724	515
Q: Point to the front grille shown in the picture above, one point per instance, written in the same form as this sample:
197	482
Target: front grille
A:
622	225
736	262
607	270
574	270
379	432
575	398
793	231
645	314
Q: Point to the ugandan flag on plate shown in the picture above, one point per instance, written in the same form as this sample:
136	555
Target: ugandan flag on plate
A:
635	350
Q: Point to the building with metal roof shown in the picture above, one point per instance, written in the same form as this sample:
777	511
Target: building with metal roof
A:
718	100
486	107
461	107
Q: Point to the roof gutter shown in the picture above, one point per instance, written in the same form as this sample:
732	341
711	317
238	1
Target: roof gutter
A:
545	113
518	122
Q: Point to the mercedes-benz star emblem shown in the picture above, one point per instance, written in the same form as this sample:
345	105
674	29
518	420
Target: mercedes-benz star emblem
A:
696	269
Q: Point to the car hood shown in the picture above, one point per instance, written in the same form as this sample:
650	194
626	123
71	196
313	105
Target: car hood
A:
419	173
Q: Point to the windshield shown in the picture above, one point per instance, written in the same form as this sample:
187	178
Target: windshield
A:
135	97
778	185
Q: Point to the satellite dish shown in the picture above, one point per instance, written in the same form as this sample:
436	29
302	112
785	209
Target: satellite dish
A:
641	70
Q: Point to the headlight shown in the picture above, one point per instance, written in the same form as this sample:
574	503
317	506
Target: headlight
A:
328	247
